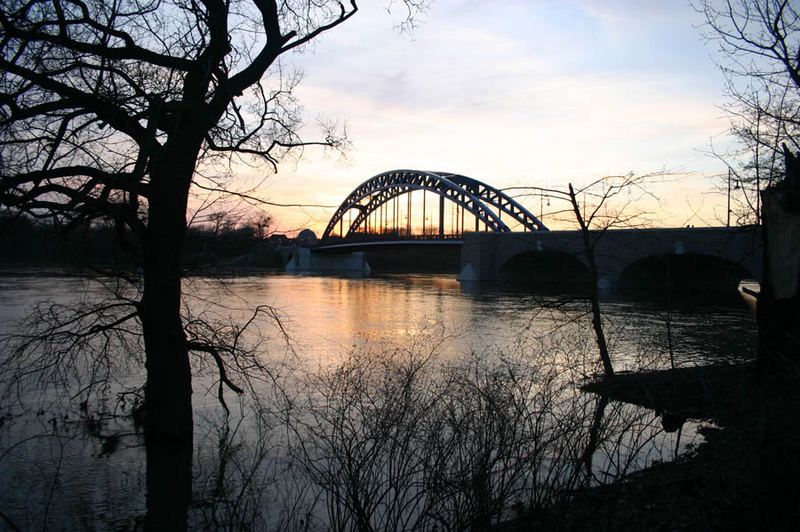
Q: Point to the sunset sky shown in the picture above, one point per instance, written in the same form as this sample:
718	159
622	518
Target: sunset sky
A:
518	92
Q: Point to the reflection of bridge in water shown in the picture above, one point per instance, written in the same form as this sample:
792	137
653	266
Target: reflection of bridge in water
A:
501	239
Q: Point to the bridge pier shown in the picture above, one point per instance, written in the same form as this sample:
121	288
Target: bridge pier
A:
303	260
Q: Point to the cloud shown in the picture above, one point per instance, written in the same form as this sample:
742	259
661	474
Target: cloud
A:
511	92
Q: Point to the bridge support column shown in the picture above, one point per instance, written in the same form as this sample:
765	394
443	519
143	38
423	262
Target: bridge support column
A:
607	282
467	274
479	257
303	260
441	216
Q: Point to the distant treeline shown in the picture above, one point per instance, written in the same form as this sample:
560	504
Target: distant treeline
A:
28	242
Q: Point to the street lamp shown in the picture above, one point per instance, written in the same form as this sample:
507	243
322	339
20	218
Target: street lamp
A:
728	222
735	187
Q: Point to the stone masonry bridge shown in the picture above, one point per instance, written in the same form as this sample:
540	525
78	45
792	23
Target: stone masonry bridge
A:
502	240
486	256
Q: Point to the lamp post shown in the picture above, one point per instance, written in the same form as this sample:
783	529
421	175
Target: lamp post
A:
728	222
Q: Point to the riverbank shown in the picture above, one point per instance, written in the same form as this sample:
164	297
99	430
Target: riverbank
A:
743	477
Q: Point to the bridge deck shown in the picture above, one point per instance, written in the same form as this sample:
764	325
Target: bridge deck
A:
365	245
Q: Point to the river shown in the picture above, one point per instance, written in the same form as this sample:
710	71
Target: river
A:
54	470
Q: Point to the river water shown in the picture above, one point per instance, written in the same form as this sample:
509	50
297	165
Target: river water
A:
325	316
54	470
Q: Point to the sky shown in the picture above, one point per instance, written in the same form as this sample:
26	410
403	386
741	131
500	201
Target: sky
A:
513	93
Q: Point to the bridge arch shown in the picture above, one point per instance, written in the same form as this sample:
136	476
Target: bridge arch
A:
485	202
548	270
688	273
484	254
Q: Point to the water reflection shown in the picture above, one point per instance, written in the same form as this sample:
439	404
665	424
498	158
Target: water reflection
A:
489	363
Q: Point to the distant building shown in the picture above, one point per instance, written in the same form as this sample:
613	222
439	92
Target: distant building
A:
306	237
278	240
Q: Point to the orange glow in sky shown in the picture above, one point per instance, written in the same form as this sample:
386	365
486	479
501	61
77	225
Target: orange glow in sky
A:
516	93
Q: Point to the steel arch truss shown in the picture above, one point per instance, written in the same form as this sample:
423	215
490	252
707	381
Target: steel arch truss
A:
486	203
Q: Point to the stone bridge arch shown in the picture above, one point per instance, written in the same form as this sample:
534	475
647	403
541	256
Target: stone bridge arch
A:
684	275
548	270
484	254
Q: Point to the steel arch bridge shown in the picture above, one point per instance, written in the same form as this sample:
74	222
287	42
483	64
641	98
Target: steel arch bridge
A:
487	204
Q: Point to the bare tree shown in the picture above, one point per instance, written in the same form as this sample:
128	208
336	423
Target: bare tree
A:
758	43
402	439
108	110
609	201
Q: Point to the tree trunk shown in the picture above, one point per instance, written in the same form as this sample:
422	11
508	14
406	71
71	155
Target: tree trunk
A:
587	458
594	296
779	300
778	313
168	390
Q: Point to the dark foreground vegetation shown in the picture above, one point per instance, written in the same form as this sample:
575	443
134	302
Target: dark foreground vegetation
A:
26	242
742	477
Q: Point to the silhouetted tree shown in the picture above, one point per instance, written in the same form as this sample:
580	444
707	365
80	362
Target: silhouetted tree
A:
778	309
608	207
594	296
760	44
107	110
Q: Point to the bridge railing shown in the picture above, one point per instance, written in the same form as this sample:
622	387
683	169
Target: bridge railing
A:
387	236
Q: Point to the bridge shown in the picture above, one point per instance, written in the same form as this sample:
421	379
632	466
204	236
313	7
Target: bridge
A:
501	240
624	257
375	212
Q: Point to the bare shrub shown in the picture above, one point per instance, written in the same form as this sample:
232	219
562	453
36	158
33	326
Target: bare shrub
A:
402	439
